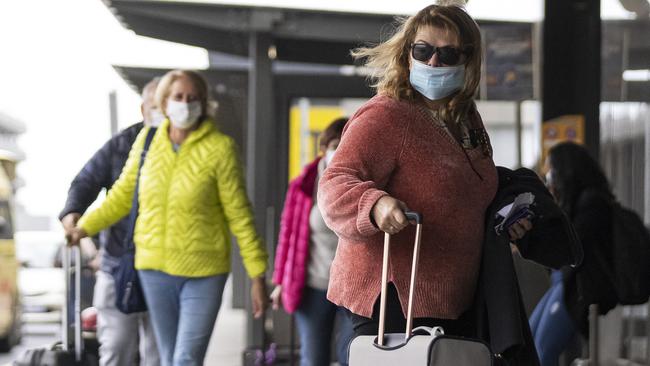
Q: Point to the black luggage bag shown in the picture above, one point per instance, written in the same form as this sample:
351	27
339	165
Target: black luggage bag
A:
70	351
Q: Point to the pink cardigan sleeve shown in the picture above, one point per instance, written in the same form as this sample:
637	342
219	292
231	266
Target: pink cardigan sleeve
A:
288	213
357	175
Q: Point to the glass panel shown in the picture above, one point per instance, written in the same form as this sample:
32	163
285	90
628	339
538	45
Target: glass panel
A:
624	113
624	130
500	119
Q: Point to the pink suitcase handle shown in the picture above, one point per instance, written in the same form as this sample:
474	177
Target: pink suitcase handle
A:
412	216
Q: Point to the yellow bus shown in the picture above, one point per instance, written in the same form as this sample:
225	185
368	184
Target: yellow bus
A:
9	300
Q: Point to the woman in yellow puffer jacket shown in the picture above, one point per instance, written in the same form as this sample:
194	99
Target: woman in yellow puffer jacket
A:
191	196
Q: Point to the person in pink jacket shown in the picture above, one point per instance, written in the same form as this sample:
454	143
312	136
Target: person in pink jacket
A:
303	258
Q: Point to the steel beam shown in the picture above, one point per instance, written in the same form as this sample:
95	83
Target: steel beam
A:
572	63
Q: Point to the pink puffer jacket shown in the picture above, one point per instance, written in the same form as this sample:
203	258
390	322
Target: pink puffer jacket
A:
292	253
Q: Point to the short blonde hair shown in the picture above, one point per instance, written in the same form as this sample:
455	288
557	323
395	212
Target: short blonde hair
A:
389	61
164	86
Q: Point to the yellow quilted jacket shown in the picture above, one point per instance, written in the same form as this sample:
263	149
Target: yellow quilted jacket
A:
190	201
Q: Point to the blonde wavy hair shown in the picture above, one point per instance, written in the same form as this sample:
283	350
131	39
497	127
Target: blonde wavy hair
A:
389	61
164	89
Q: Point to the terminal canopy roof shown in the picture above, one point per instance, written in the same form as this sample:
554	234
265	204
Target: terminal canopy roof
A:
326	37
315	36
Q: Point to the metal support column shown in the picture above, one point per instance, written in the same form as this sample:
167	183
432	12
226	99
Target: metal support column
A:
259	159
572	63
519	132
112	109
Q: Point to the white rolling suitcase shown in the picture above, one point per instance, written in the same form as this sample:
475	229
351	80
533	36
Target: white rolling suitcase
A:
421	346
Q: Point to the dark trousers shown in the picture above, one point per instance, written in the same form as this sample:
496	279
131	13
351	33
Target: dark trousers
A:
315	319
396	320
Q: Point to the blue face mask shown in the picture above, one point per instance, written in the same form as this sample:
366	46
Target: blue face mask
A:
436	82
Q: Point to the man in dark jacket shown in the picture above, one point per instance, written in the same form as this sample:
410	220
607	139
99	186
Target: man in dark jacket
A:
118	333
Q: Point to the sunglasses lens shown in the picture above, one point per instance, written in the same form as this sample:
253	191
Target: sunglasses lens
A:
422	52
448	55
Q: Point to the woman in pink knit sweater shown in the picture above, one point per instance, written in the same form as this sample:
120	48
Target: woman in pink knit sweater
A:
303	258
418	144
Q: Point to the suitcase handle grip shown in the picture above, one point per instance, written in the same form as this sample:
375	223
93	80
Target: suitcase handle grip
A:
412	216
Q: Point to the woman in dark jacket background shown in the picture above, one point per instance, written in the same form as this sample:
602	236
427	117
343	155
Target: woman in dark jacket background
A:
583	192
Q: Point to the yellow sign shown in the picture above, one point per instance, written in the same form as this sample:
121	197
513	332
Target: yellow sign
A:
570	127
305	125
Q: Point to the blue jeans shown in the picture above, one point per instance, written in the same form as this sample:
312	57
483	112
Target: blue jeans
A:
550	323
315	318
182	311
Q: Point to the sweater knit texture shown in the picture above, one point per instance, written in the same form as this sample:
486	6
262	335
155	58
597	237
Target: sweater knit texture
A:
190	202
395	148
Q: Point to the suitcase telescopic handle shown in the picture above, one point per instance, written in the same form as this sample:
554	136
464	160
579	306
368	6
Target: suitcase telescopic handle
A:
67	253
411	216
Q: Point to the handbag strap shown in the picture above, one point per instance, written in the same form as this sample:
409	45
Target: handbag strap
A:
135	206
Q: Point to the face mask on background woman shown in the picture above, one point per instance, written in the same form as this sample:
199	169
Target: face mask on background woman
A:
183	115
155	117
436	82
329	154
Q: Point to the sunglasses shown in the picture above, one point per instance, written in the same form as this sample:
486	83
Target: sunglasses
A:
447	55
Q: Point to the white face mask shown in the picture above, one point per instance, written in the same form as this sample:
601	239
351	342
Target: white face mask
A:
436	82
155	118
183	115
329	154
549	179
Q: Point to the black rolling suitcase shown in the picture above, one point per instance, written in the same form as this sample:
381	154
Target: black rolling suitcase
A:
70	351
